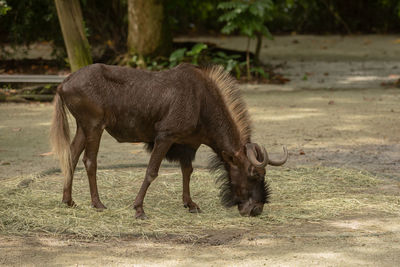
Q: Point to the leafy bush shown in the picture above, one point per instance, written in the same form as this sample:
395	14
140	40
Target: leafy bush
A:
247	17
201	54
231	63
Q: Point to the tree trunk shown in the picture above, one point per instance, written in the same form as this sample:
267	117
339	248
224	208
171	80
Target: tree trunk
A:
71	21
148	31
258	49
248	59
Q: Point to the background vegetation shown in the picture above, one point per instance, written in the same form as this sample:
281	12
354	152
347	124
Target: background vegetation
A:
36	20
106	25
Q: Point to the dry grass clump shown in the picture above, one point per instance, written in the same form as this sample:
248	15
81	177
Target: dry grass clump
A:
31	206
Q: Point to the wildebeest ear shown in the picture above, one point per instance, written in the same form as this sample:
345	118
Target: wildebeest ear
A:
229	158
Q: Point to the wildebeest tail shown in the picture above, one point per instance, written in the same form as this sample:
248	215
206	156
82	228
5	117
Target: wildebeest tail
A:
60	135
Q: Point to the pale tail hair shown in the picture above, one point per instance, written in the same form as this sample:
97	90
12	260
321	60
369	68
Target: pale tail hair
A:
60	136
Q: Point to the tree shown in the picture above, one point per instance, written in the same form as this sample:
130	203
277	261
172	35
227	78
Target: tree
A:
71	21
148	31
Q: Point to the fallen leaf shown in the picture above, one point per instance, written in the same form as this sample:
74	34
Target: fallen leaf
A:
46	154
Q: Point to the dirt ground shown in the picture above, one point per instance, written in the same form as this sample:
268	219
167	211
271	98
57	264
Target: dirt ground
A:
334	112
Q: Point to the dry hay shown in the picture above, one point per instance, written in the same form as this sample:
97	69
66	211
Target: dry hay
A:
33	205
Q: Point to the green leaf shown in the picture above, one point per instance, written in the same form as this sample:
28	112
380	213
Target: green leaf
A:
228	28
196	49
221	54
231	64
177	56
228	16
260	71
256	10
265	31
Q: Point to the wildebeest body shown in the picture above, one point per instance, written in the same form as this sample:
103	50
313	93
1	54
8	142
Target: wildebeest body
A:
174	112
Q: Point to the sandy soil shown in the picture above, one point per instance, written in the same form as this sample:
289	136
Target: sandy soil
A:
345	242
330	123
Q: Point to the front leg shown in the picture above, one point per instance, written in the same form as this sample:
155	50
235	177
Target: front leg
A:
160	149
187	169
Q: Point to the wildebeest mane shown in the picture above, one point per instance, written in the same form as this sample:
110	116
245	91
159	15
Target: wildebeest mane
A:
218	168
231	96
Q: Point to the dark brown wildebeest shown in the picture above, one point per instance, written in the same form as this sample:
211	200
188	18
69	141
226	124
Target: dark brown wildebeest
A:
173	112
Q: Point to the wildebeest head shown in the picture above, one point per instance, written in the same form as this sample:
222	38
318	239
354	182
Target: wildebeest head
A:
244	182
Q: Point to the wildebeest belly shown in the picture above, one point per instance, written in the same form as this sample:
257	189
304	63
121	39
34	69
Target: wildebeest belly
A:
134	130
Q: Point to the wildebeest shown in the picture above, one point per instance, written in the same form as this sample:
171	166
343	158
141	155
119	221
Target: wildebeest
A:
173	112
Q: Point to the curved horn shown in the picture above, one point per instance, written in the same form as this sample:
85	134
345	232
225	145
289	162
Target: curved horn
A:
279	162
251	155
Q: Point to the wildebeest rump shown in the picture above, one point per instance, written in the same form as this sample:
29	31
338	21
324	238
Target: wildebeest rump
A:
173	112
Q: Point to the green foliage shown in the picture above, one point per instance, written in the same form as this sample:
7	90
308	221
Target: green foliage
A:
199	54
258	71
246	16
231	63
193	16
195	52
27	21
336	16
177	57
181	54
4	8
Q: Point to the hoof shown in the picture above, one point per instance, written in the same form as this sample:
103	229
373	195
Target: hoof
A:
193	208
99	206
69	203
141	216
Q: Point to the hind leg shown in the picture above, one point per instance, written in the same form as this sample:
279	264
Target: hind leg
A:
93	136
187	169
77	146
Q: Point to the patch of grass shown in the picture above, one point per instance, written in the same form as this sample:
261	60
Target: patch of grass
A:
28	207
